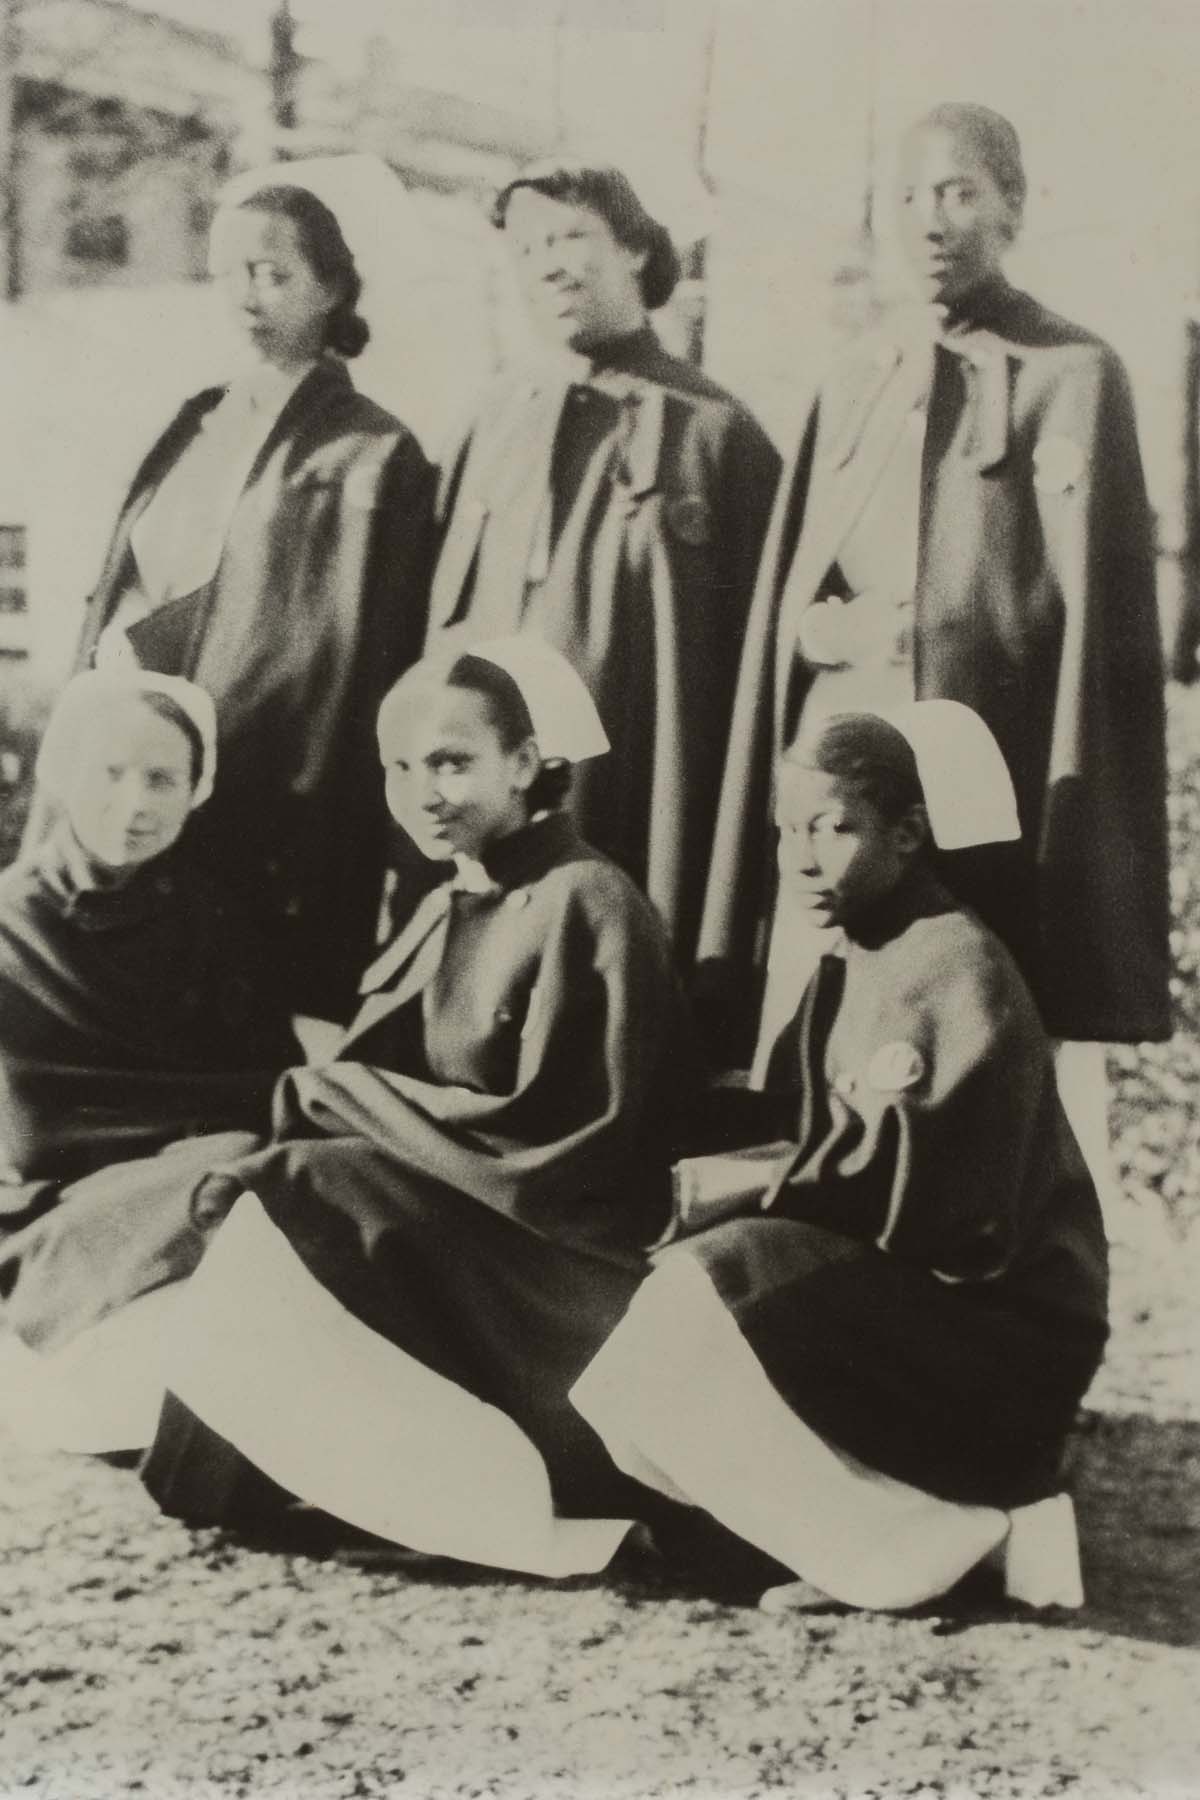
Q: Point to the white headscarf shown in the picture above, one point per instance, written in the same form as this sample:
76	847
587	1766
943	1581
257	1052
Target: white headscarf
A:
97	691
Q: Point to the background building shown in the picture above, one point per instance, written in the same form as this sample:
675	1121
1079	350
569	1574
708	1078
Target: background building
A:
119	126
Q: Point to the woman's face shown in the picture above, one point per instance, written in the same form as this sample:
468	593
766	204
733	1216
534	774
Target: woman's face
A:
449	780
130	790
838	854
277	302
579	281
955	221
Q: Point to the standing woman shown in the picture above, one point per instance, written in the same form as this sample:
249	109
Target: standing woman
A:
274	547
615	503
966	518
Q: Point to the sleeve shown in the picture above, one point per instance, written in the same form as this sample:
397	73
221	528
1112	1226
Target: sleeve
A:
740	880
939	1173
600	1066
1102	852
400	557
748	484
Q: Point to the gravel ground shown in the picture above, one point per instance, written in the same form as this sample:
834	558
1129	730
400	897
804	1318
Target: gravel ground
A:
137	1657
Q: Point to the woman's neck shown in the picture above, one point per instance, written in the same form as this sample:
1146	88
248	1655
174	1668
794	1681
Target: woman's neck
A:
610	349
967	310
260	372
917	895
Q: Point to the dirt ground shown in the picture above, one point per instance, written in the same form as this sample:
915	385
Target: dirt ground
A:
138	1658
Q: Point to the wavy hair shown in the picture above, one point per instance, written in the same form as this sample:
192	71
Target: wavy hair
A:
604	190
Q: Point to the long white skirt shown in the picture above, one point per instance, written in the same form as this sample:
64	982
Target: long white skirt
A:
683	1405
336	1414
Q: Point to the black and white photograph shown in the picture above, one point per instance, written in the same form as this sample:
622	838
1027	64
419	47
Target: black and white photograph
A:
599	899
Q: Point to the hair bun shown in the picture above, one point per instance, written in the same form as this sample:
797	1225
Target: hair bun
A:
347	332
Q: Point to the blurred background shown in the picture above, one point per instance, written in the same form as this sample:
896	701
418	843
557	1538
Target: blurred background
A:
761	130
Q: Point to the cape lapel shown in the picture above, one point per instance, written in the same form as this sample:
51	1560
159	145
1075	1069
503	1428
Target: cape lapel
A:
325	378
847	467
114	577
496	516
404	968
990	384
578	606
324	381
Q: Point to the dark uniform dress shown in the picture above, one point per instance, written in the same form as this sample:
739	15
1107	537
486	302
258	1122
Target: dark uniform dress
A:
922	1279
142	1030
475	1180
621	518
967	519
317	604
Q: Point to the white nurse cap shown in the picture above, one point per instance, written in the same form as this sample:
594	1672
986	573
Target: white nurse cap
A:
565	721
969	795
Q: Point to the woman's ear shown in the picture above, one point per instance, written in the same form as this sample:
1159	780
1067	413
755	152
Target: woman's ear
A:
336	292
911	831
1014	219
527	760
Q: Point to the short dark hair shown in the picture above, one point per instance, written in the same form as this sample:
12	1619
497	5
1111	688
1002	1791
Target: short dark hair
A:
867	753
605	190
327	254
991	135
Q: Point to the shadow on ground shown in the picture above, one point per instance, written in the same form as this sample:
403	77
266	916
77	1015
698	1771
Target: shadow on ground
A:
1136	1482
1136	1486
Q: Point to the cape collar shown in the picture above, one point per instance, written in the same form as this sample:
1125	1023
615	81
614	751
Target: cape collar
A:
985	308
94	897
626	355
508	865
537	847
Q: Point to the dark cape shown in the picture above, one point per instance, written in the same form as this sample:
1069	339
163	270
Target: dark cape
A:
317	605
478	1175
621	518
925	1279
134	1016
1035	605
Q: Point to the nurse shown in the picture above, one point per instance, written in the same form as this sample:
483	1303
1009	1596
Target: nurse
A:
868	1367
142	1017
966	517
457	1209
275	546
611	500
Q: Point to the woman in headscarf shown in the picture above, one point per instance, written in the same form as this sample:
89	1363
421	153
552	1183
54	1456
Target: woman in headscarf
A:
275	547
865	1347
456	1210
613	502
966	517
141	1014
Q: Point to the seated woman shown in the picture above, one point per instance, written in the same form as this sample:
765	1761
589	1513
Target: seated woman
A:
140	1030
455	1211
870	1374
